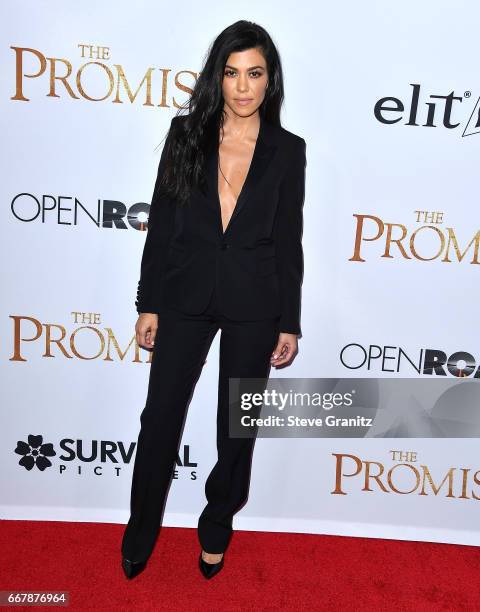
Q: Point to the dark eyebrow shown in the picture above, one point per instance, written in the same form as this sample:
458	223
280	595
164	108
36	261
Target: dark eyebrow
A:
251	68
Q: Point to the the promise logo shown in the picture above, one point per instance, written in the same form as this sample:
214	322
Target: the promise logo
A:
93	78
405	476
426	239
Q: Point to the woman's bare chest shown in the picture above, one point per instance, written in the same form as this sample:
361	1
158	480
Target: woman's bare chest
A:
234	162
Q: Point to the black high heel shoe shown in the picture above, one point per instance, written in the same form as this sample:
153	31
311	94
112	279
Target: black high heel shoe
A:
132	568
209	570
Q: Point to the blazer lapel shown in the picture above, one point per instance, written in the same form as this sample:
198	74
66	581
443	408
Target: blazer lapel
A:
262	156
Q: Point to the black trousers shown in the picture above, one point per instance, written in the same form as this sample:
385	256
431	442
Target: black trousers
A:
181	347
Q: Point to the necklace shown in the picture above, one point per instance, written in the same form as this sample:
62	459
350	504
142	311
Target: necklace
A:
227	181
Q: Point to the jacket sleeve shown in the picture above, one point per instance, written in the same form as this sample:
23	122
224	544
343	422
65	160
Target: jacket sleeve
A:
160	229
288	240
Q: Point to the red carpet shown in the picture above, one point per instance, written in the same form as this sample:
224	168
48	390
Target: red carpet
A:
263	571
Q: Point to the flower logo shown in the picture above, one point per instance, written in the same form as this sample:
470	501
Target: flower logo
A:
35	453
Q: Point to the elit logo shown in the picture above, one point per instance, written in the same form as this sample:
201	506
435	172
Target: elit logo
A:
35	453
437	111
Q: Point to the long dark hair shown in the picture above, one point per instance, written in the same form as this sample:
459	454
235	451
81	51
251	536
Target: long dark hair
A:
191	139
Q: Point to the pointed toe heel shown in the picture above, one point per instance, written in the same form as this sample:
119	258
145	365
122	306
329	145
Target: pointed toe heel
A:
209	570
132	568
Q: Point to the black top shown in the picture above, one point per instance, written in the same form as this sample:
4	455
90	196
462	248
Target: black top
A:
257	263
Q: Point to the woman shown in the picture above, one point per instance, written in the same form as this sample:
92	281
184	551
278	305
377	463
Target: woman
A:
223	251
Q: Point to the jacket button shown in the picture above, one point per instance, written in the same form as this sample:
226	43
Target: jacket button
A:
224	246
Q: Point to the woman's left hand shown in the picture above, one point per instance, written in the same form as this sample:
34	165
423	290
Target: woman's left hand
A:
285	350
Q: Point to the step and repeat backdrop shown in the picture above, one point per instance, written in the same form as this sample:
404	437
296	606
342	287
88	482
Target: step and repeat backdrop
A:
387	99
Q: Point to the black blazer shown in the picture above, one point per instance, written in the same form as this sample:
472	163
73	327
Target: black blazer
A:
257	263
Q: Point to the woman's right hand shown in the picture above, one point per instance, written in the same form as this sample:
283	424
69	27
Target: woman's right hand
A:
146	329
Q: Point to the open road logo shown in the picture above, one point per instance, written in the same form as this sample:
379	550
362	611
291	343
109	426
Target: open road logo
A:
35	453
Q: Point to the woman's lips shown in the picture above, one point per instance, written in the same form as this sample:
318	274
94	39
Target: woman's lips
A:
243	102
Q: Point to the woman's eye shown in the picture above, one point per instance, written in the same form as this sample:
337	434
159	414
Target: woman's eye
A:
255	73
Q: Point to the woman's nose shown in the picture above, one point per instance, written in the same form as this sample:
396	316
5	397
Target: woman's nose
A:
242	84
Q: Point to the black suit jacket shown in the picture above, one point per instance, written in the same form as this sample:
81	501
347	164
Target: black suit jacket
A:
257	263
